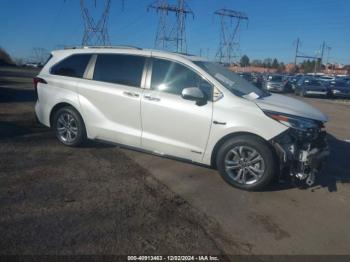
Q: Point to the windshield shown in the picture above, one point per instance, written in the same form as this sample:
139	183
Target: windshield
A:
313	82
275	78
232	81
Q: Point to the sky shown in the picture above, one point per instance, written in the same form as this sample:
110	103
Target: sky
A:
272	30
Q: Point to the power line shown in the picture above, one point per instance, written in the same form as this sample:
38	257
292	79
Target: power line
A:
229	42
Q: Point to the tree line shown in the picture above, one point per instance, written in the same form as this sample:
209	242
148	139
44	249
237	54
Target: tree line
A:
5	58
307	66
266	63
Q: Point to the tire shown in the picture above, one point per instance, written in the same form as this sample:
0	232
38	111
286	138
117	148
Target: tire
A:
330	95
68	121
231	155
302	93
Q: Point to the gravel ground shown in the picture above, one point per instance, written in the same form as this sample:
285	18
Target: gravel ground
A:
91	200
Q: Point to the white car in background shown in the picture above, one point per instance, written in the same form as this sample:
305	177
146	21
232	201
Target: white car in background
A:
183	107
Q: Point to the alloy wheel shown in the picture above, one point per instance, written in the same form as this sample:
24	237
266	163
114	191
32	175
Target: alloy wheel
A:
67	127
244	165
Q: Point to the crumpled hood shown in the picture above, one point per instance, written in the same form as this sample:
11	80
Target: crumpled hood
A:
291	106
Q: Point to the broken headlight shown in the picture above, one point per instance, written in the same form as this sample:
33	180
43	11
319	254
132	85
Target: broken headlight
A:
296	122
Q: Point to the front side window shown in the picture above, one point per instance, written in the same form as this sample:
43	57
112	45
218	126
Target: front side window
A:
119	69
171	77
73	66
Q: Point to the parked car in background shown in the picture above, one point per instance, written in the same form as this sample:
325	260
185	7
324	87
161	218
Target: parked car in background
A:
247	76
310	86
339	89
183	107
326	78
257	80
288	84
343	78
34	65
275	83
293	81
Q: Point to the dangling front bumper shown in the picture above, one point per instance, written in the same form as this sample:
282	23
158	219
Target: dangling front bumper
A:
303	155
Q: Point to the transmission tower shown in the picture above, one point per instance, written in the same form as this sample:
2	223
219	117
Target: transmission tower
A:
318	58
230	21
171	37
95	33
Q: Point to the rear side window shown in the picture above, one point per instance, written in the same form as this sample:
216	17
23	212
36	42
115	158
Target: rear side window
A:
119	69
73	66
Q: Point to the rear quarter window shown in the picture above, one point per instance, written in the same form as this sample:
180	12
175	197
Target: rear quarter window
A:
72	66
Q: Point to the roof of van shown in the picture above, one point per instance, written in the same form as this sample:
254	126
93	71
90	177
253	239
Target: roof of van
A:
126	49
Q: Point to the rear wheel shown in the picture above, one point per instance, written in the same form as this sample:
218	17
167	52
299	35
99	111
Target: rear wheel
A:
246	162
69	127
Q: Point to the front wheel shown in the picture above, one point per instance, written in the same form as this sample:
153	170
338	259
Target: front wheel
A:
69	127
246	162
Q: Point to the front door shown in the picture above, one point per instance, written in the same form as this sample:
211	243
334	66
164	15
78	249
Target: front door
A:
172	125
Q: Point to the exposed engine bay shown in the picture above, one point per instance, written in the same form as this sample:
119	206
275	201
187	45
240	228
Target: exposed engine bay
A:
302	152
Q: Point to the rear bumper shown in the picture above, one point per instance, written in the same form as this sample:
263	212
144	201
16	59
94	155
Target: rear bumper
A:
39	115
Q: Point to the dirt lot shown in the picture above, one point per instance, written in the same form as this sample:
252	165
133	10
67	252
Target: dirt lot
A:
101	199
91	200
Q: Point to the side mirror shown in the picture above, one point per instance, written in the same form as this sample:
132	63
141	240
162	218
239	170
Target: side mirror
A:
194	94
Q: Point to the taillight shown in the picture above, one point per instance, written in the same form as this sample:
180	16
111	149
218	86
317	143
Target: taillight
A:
36	81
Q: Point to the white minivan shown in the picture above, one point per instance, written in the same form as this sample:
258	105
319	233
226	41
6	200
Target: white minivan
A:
183	107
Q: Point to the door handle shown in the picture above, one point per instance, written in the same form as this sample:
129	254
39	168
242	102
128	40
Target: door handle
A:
219	123
131	94
151	98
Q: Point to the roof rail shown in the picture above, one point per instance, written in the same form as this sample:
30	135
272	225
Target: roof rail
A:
111	47
183	53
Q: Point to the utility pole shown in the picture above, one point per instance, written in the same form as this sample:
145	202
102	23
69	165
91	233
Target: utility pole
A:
229	42
322	50
171	37
296	53
322	54
318	58
328	53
